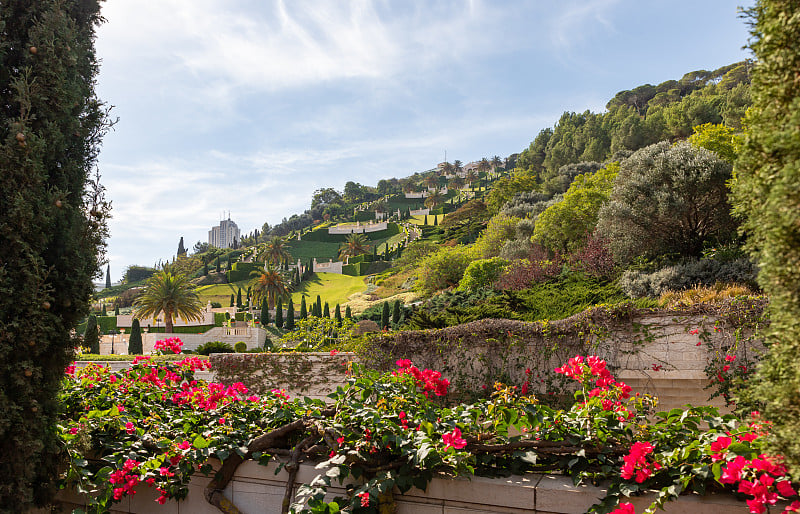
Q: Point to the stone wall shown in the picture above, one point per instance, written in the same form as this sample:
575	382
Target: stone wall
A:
259	489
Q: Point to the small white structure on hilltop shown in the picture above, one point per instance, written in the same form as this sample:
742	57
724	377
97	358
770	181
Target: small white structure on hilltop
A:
226	235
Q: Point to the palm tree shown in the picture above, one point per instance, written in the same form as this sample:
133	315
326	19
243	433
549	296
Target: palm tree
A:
356	244
471	178
447	168
457	167
434	199
268	283
274	251
432	180
172	293
483	165
457	182
496	163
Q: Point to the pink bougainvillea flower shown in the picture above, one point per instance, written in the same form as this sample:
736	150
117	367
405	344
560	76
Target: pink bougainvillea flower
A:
185	445
364	499
730	358
334	352
694	332
130	428
624	508
454	439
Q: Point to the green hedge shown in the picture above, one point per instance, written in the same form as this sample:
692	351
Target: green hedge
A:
198	329
322	235
364	257
356	270
106	323
240	271
219	319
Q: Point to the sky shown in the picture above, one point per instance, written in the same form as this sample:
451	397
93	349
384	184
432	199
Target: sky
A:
248	107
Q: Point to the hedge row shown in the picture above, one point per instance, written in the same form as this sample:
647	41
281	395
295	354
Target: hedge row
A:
356	270
323	236
240	271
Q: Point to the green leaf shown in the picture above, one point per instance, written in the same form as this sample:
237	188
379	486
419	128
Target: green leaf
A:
740	448
200	442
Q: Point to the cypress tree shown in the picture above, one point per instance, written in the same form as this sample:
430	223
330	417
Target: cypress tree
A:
205	267
337	313
303	308
326	312
318	307
289	325
116	310
239	298
108	276
91	338
264	313
765	195
426	220
104	312
219	266
396	314
385	316
279	314
233	300
348	313
135	340
435	219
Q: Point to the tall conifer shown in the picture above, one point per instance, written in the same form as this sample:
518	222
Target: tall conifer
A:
135	340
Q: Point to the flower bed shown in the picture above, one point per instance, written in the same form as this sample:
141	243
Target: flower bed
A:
155	425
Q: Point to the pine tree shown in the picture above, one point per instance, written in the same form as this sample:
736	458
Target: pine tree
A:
239	298
264	313
108	276
326	311
279	314
396	314
289	325
135	340
337	314
348	313
385	316
303	308
233	300
91	338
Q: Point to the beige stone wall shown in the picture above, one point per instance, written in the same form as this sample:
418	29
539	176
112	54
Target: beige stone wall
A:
258	489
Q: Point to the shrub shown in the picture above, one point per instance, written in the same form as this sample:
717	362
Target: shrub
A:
594	259
500	229
239	347
482	273
443	269
703	294
668	199
216	305
703	272
215	347
538	267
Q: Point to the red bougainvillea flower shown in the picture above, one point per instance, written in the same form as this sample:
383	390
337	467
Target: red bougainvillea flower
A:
454	439
624	508
173	344
364	499
427	380
334	352
694	332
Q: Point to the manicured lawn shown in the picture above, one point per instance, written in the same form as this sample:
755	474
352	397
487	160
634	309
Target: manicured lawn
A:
331	287
222	292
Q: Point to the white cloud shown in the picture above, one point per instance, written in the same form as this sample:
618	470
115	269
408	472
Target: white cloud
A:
578	22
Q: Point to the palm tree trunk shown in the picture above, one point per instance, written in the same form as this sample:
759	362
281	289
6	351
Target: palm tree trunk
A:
168	322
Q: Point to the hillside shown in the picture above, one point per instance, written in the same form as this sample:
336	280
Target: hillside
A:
539	234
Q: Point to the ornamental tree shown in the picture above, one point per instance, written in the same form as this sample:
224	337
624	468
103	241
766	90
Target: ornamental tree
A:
668	199
53	219
135	340
766	197
91	338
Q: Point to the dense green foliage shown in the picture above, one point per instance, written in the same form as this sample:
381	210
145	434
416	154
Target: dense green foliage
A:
668	199
214	347
135	339
768	198
91	338
53	226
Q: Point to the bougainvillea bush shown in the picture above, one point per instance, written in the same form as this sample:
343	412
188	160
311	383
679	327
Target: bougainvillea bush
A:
155	425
